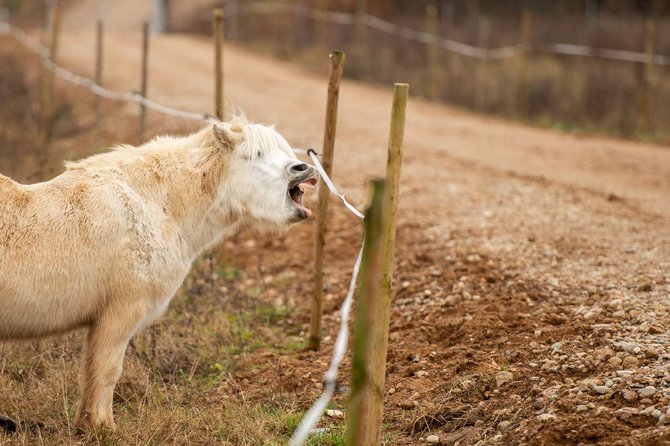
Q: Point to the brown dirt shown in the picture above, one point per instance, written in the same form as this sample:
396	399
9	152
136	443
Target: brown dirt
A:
511	239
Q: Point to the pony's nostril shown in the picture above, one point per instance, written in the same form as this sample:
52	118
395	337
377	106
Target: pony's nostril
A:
301	167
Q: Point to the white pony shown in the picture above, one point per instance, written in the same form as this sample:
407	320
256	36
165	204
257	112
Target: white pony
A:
106	244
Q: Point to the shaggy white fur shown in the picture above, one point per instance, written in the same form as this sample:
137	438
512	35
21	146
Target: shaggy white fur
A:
106	244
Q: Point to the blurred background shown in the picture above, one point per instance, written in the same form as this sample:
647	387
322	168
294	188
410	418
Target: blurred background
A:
563	91
596	66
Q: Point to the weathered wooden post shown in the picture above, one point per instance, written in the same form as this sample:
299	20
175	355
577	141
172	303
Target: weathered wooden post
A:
49	7
483	31
368	297
144	80
591	9
522	74
361	35
448	14
379	319
646	100
334	76
431	88
233	17
361	30
218	63
50	79
98	79
319	31
160	15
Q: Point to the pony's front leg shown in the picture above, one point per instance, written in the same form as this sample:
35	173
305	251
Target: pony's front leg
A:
102	362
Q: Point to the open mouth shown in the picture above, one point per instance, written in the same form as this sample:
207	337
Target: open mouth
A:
296	190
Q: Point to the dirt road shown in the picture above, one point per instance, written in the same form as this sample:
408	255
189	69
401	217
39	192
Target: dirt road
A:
533	273
268	90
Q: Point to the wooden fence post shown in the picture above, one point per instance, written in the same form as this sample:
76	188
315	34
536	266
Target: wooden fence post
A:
319	31
160	15
361	30
233	18
218	63
48	10
361	35
447	15
143	85
50	79
483	32
431	88
368	297
646	100
380	317
98	79
334	77
522	75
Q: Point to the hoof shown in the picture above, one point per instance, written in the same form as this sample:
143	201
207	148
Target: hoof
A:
87	423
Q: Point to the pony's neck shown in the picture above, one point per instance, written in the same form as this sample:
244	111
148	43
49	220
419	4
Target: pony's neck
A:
208	226
185	183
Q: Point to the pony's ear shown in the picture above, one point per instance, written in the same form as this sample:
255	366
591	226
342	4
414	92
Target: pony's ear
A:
226	137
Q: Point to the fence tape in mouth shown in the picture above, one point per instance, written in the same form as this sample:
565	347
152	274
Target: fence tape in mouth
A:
312	154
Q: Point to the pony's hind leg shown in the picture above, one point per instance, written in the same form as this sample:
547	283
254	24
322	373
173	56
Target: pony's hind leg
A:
102	362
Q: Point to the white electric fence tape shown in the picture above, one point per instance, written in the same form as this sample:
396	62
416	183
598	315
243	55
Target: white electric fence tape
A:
68	76
312	154
507	52
315	413
313	416
342	18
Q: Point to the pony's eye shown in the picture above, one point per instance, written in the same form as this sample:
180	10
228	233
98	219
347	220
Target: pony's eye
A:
259	154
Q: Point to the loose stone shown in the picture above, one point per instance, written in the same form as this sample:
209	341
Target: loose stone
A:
432	439
647	391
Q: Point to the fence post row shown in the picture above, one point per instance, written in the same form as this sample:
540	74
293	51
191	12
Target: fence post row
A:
218	63
98	79
143	85
366	306
334	76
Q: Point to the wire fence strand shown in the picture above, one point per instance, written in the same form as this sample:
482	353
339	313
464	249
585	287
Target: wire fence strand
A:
313	416
464	49
84	82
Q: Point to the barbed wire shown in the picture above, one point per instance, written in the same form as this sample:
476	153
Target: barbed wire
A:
313	416
68	76
454	46
315	413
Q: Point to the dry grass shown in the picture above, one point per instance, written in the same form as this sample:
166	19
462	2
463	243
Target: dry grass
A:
178	385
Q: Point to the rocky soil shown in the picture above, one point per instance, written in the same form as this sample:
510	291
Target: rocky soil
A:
531	294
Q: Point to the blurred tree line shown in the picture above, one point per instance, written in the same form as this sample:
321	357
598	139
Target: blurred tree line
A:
460	8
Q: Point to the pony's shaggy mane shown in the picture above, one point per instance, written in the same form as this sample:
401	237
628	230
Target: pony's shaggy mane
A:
264	139
261	137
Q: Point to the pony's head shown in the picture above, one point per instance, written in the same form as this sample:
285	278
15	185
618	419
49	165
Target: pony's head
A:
264	181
